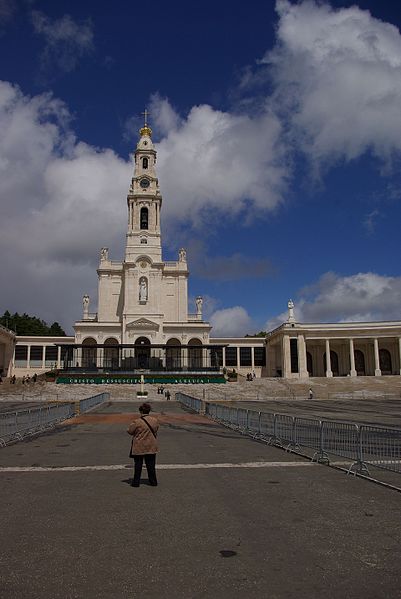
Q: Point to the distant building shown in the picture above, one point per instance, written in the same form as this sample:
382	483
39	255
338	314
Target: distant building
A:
7	344
299	350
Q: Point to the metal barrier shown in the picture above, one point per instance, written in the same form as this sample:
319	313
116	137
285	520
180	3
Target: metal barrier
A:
90	402
191	402
16	425
363	445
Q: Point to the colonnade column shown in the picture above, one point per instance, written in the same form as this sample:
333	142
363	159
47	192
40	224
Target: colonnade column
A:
329	372
59	357
268	364
377	359
352	358
28	357
399	351
252	358
286	357
238	359
302	366
44	357
224	357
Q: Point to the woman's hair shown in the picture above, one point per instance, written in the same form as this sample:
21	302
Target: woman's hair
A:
145	408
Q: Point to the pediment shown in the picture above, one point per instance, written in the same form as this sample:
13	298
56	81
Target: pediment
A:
143	324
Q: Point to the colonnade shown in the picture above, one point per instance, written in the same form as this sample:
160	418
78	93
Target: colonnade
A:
40	364
370	347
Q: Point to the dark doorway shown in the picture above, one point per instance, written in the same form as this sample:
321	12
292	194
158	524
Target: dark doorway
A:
309	363
360	362
142	353
385	361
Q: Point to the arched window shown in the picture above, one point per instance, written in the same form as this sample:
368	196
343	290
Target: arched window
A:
89	353
173	354
195	361
145	162
144	218
110	353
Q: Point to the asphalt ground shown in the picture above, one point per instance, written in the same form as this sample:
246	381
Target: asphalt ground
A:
231	517
378	412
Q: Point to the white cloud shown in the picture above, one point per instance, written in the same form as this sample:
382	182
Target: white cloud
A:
337	77
362	297
66	41
217	161
231	322
370	221
60	200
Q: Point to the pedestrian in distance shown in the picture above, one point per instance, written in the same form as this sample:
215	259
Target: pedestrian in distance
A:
35	376
144	445
310	393
168	395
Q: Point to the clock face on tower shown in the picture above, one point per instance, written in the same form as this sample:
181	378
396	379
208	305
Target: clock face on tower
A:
144	183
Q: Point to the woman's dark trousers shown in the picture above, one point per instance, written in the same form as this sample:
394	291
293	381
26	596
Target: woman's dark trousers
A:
150	461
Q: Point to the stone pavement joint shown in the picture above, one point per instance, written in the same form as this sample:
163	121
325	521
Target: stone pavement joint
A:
159	467
121	418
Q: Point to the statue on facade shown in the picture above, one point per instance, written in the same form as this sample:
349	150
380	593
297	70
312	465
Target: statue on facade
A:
104	254
290	305
182	255
143	290
199	304
85	304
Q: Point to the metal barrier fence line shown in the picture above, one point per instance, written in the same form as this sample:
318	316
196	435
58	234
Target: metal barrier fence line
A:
363	445
16	425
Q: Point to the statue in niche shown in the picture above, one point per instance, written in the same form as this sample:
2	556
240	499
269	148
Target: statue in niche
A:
143	290
104	254
182	255
199	304
85	303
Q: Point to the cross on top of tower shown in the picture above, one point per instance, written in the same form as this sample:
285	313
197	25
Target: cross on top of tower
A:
145	130
145	115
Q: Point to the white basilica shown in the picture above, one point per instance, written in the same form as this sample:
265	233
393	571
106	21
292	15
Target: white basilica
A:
143	297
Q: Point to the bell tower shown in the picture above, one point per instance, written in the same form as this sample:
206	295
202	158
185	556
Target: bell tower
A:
144	202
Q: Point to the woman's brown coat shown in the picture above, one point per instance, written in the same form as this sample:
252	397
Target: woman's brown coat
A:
143	441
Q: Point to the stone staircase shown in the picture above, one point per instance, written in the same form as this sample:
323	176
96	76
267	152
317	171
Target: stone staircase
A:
257	390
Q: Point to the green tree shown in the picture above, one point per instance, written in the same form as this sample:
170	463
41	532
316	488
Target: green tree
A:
56	330
23	324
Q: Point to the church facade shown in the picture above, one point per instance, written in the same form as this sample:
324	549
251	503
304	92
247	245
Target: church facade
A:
143	297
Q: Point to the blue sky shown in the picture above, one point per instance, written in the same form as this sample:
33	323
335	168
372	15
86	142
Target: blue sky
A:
278	127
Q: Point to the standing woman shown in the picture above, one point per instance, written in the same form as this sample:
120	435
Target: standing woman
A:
144	445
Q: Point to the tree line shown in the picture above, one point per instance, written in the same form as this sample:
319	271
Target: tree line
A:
23	324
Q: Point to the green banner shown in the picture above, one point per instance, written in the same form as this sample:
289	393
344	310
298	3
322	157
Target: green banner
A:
135	380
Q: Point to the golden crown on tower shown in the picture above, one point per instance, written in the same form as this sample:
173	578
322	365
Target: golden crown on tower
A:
145	130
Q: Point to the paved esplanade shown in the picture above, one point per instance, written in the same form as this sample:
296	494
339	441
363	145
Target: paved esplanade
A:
278	527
